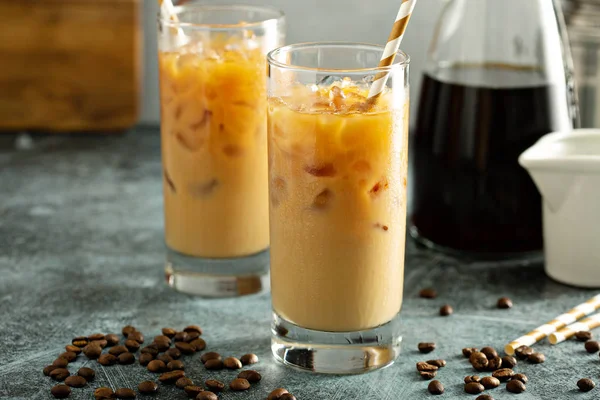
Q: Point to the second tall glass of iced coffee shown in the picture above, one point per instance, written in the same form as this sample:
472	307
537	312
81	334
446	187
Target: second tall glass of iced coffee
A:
337	184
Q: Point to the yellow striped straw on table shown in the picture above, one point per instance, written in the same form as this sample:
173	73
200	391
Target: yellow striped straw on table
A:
391	48
570	331
555	325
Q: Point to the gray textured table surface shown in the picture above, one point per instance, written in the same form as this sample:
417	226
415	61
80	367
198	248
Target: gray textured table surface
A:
81	252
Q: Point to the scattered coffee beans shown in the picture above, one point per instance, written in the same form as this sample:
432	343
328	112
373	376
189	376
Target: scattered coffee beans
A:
70	356
504	303
156	366
185	348
467	351
484	397
474	388
73	349
206	395
60	391
169	332
126	358
117	350
494	364
428	293
75	381
171	377
489	382
183	382
92	351
426	367
60	363
111	339
515	386
80	341
102	343
248	359
132	345
520	377
435	387
592	346
165	358
509	362
193	328
214	364
49	369
503	374
107	359
176	365
214	385
536	358
472	378
103	393
150	349
437	363
583	336
192	391
145	358
127	330
489	352
125	393
59	374
211	355
428	375
199	344
232	363
446	310
523	352
174	353
250	375
586	384
137	336
479	361
87	373
426	347
148	387
239	384
277	393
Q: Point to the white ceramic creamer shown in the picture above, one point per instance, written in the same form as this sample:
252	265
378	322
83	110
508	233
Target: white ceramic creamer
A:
566	169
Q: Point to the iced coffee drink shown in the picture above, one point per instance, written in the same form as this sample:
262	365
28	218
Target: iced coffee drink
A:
214	148
337	176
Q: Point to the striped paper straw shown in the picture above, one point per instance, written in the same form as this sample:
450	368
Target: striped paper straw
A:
556	324
167	10
570	331
391	48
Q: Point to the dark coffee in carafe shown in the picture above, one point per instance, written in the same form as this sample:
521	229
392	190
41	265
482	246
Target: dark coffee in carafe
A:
469	193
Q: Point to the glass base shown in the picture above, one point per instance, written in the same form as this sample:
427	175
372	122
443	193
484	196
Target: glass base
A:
218	277
335	352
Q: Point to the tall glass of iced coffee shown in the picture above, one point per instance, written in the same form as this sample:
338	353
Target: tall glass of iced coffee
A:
337	195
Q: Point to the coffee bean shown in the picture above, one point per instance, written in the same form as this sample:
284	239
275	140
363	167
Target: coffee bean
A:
169	332
503	374
132	345
586	384
173	353
522	352
287	396
137	336
276	394
176	365
426	366
521	377
49	369
192	391
211	355
214	364
60	391
115	351
73	349
445	311
126	358
145	358
214	385
60	363
199	344
536	358
428	293
435	387
107	359
437	363
494	364
125	393
428	375
161	346
162	338
489	382
75	381
127	330
68	355
180	337
191	336
504	303
59	374
185	348
87	373
239	384
150	349
156	366
509	362
111	339
250	375
232	363
193	328
515	386
80	341
479	361
183	382
206	395
467	351
489	352
96	336
484	397
148	387
472	378
102	343
248	359
165	358
474	388
92	351
592	346
171	377
426	347
104	393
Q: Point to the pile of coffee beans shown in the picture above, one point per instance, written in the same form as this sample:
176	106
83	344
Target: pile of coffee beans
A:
162	356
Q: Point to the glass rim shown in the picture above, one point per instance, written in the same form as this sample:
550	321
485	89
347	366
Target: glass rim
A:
277	16
399	62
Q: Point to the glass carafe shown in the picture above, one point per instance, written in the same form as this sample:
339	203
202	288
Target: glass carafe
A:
498	77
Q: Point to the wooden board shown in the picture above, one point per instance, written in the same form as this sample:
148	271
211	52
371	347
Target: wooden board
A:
70	65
